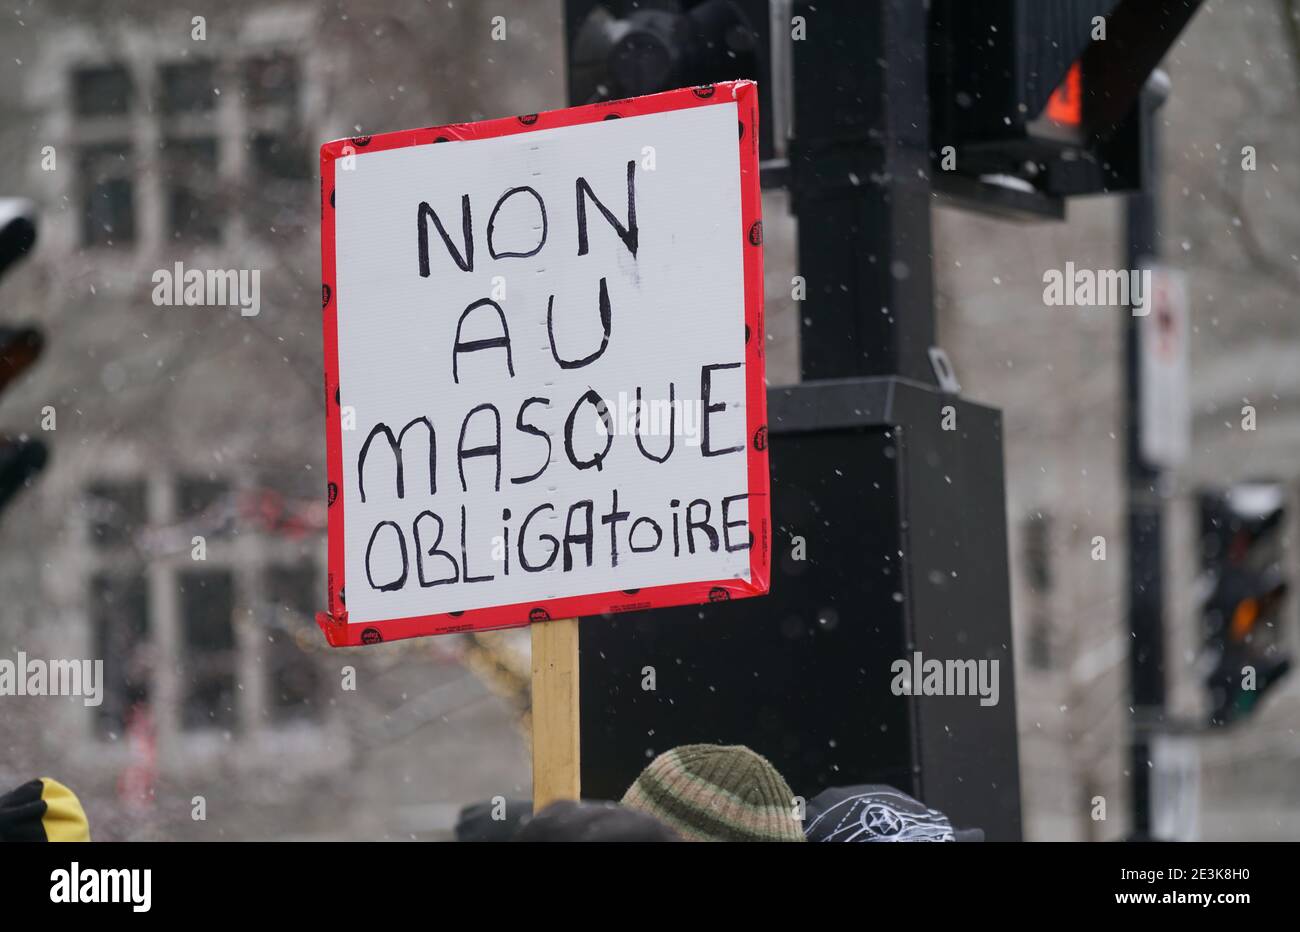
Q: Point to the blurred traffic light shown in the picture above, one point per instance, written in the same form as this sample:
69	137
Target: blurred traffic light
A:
1046	98
1036	97
626	48
19	349
21	457
17	230
1247	585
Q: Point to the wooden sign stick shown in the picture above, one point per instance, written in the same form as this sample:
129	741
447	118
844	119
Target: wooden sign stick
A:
556	744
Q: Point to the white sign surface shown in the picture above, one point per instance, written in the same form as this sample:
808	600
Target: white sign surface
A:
1164	336
501	304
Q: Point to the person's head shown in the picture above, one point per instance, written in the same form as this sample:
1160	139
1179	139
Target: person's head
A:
495	819
711	792
42	810
875	812
568	820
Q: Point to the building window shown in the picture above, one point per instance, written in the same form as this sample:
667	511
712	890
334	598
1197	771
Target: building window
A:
100	91
1038	643
207	600
294	680
196	496
119	598
271	81
144	581
119	618
206	505
279	162
107	194
1038	552
190	176
1037	549
278	157
117	513
187	87
261	116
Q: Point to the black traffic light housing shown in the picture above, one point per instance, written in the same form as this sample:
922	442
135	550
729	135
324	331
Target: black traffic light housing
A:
17	230
1036	93
1244	561
1029	100
20	347
626	48
21	457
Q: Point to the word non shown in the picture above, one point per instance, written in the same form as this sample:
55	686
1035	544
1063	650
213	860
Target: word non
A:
463	255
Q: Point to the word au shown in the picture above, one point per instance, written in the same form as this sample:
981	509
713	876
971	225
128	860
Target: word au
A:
1102	288
182	287
37	677
921	677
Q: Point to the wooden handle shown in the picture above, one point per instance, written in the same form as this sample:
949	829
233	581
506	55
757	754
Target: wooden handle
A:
556	745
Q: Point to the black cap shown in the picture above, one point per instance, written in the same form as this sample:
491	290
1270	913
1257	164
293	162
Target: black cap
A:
875	812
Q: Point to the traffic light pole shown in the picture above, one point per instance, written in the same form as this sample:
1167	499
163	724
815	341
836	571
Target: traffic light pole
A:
921	488
887	496
859	179
1145	522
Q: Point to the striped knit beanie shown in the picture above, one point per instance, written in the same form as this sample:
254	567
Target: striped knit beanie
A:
708	792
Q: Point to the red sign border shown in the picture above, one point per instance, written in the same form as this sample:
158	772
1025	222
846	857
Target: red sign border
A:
334	621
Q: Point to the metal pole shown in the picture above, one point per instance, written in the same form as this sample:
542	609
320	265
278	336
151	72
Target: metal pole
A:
860	186
1145	597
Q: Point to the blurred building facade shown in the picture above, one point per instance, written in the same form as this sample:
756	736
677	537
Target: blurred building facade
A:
1058	373
178	532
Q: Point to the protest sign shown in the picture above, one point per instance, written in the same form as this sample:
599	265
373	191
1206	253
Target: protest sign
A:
544	389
